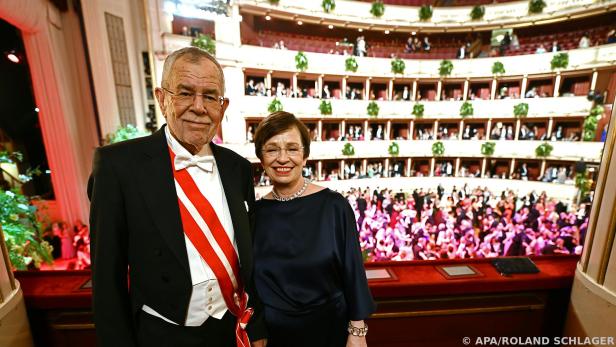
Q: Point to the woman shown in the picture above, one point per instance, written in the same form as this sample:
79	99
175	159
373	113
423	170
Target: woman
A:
308	265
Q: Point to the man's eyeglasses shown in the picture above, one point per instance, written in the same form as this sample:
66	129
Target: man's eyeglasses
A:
273	152
186	98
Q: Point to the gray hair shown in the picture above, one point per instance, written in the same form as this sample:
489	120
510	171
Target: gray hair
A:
193	55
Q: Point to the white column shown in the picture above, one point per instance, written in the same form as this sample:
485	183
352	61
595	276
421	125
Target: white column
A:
390	90
523	88
465	91
344	87
493	90
439	88
593	81
367	89
557	84
407	170
414	88
432	163
61	88
388	130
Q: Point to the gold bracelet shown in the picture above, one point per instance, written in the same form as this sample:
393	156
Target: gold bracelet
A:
355	331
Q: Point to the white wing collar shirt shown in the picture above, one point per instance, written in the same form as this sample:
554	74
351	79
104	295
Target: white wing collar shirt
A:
206	299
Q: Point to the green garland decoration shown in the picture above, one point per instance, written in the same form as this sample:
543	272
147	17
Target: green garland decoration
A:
325	107
438	149
393	149
591	122
301	61
560	61
477	12
205	42
418	110
22	232
536	6
466	109
377	9
544	150
328	5
273	2
128	132
583	184
373	109
350	64
274	106
398	66
425	12
445	68
498	68
487	148
520	110
348	149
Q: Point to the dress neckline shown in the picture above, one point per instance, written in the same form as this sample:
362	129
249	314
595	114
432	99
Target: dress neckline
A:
296	199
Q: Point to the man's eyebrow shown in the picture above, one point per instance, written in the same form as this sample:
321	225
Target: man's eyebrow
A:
209	90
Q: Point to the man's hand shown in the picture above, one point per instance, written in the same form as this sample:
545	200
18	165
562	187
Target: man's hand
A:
259	343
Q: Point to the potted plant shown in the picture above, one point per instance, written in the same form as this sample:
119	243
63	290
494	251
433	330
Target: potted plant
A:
544	150
325	107
348	149
301	61
445	68
328	5
274	106
397	66
350	64
498	68
536	6
487	148
377	9
393	149
425	12
418	110
273	2
590	123
438	149
373	109
478	12
466	109
560	61
124	133
520	110
205	42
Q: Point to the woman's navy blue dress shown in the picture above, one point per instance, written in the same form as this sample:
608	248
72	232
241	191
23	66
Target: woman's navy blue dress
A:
309	270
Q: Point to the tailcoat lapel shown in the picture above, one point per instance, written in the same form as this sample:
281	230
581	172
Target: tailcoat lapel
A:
155	177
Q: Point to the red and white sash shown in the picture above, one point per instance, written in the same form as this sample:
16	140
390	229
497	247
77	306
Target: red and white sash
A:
203	228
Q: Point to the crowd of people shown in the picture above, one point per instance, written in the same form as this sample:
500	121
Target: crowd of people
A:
465	223
70	244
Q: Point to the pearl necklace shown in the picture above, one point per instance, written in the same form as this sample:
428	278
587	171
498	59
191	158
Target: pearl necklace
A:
291	197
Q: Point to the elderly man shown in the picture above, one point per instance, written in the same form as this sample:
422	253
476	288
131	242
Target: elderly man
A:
171	214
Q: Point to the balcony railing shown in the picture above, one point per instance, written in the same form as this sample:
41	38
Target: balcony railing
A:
563	150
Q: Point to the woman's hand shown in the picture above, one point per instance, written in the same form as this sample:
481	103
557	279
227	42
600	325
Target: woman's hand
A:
356	341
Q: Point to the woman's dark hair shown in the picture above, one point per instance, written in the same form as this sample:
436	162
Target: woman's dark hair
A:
277	123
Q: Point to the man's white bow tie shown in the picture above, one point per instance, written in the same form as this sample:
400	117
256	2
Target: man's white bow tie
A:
183	161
